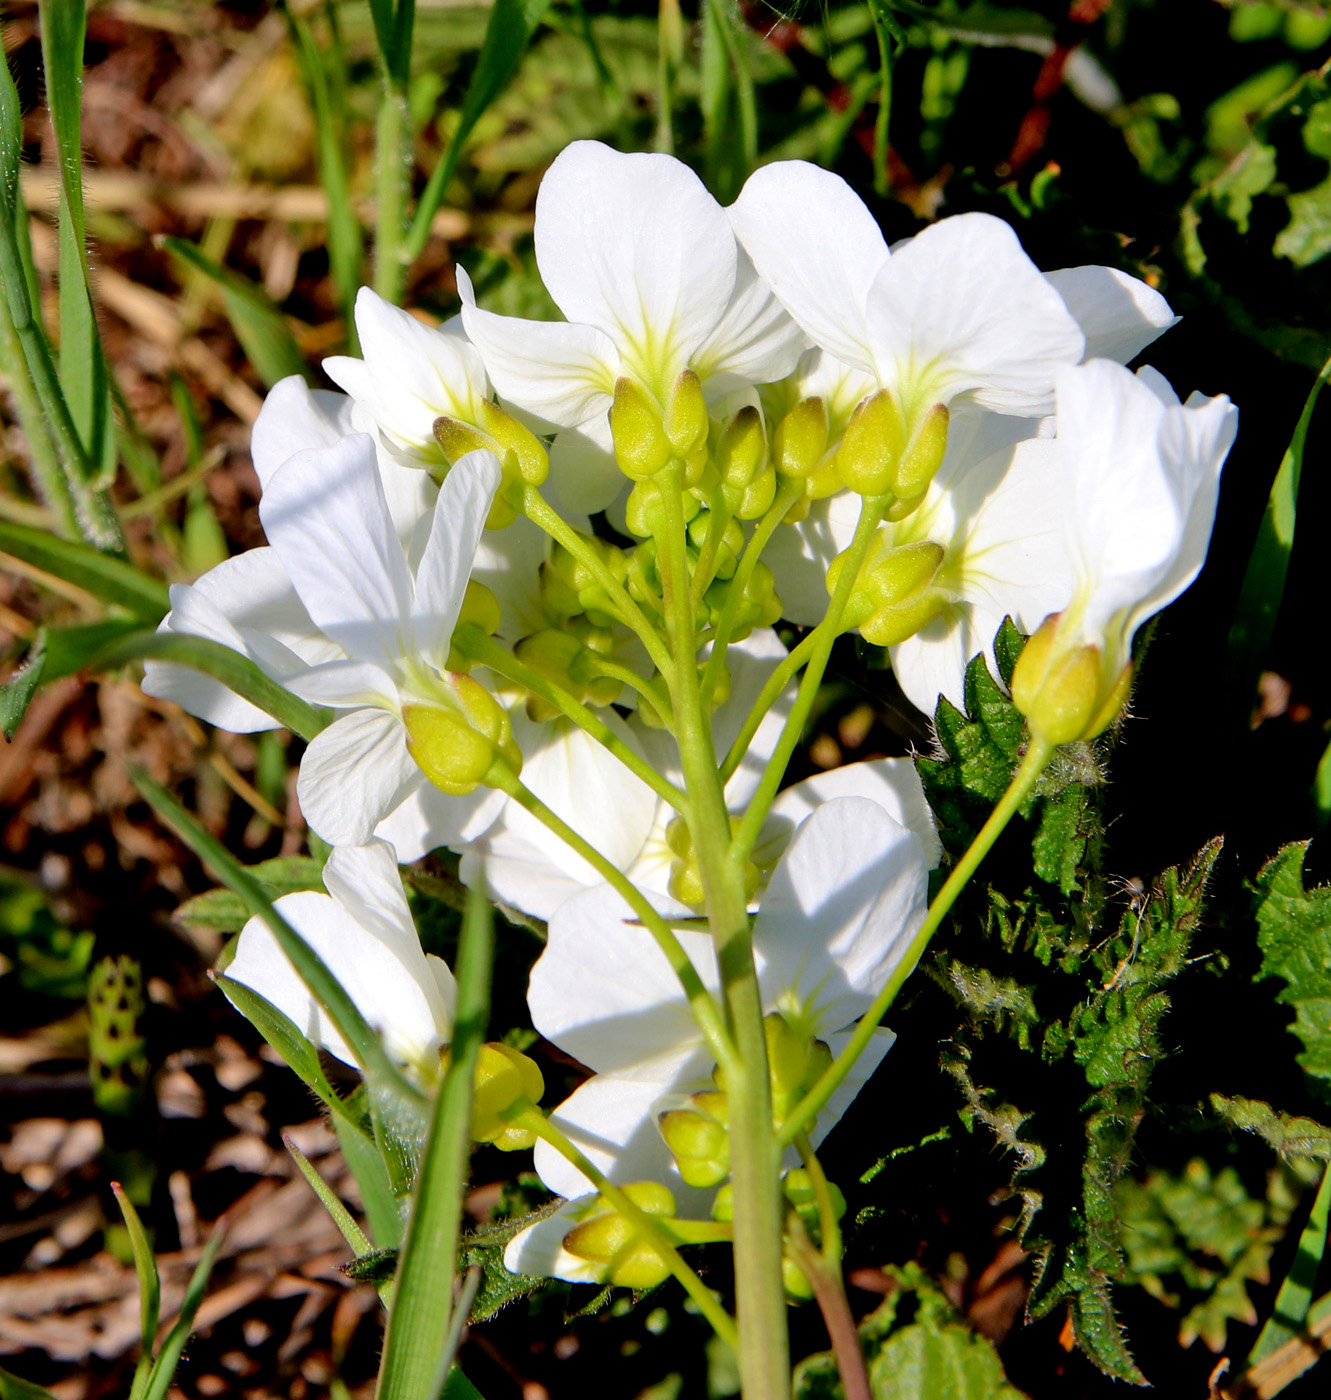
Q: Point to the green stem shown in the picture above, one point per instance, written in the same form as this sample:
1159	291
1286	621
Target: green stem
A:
649	1227
764	1351
539	511
787	493
1035	761
827	631
830	1293
393	155
471	641
703	1005
719	516
612	670
828	1226
776	683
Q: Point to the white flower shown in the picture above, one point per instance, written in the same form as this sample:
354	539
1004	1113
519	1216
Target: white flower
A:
1138	477
839	912
411	374
642	261
363	930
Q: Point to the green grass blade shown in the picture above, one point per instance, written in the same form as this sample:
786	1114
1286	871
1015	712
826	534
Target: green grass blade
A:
345	248
112	580
238	673
14	1387
1268	565
509	31
1295	1299
83	371
150	1289
341	1216
71	649
367	1165
16	693
365	1044
458	1387
416	1354
260	327
164	1367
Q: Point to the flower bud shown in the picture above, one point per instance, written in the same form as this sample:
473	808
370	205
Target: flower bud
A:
795	1062
894	595
520	451
480	608
742	451
1062	688
801	438
698	1136
759	605
729	547
685	420
456	745
456	439
642	510
582	591
606	1237
921	460
641	445
723	1204
506	1083
797	1187
757	496
797	1286
870	452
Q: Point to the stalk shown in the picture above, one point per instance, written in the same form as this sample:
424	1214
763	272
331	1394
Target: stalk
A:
764	1351
390	139
1035	761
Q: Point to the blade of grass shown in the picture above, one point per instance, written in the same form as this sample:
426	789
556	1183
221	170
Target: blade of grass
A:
1290	1315
260	327
1264	579
416	1353
344	232
14	1387
150	1290
332	1203
367	1165
888	32
365	1044
112	580
83	371
164	1367
238	673
511	26
16	693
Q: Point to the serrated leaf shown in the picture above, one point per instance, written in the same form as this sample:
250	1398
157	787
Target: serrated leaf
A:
483	1248
1294	934
1307	236
1287	1135
225	912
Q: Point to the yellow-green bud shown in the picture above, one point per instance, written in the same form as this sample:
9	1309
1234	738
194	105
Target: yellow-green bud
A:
742	451
759	606
801	438
641	511
758	496
519	449
685	883
1063	690
894	595
871	449
699	1138
606	1237
728	547
797	1286
685	420
506	1083
920	462
723	1203
641	445
456	745
581	591
456	439
797	1187
480	608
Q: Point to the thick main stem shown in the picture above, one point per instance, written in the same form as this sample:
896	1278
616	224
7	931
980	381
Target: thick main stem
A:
1035	761
764	1354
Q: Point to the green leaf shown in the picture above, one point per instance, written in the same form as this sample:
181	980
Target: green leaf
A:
13	1387
83	371
512	24
1307	237
340	1215
1289	1136
281	1032
236	672
416	1351
1264	579
18	690
260	327
483	1248
71	649
1296	1293
112	580
1294	934
150	1289
164	1367
225	911
458	1387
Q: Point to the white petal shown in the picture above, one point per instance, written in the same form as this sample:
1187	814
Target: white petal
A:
428	818
390	998
346	685
517	874
612	1119
326	516
538	1251
751	664
584	475
961	307
635	246
508	563
603	991
353	774
861	1072
1119	315
889	783
295	418
818	248
441	579
755	342
840	910
564	373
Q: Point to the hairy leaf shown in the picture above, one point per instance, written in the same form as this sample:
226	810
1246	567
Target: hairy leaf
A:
226	912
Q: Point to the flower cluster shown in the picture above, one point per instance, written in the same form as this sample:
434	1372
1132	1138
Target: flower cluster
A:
781	418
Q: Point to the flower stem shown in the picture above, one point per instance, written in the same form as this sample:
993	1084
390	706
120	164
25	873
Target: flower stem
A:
776	683
392	154
472	642
827	631
539	511
650	1228
703	1005
1035	761
763	1352
830	1293
615	672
